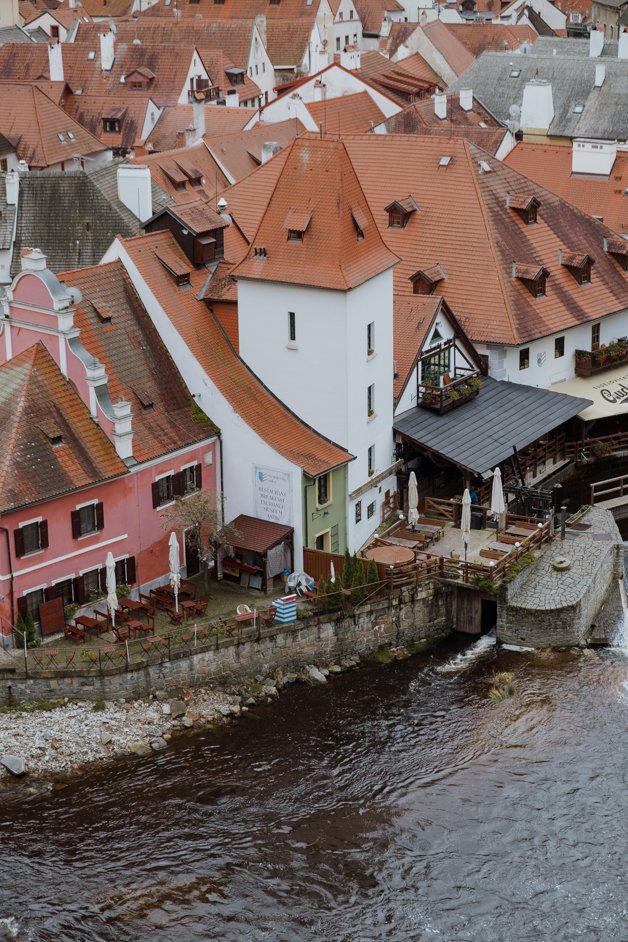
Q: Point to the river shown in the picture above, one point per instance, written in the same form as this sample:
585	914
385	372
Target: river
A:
396	803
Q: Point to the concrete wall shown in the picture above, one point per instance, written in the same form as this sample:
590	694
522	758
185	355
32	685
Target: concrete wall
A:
320	639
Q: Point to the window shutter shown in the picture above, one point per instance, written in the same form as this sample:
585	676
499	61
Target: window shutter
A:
43	534
178	484
79	590
76	523
50	593
100	517
130	571
102	580
19	542
198	472
155	489
22	607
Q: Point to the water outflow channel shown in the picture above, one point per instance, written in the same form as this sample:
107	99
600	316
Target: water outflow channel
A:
395	804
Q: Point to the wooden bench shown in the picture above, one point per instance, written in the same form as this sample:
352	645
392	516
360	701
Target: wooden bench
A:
492	554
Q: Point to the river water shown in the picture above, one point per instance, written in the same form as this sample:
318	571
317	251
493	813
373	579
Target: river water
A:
396	803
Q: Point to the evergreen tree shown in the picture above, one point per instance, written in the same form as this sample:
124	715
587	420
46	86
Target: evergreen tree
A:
347	572
357	582
372	575
323	601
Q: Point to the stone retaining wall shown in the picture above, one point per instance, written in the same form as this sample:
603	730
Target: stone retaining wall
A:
409	616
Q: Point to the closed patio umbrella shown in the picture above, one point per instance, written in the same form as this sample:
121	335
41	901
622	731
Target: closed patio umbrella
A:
333	571
465	520
413	500
174	564
112	595
498	507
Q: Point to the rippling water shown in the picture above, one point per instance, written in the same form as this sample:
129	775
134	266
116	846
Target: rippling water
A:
395	804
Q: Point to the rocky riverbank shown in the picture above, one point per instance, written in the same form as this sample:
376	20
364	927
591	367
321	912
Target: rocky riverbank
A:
53	740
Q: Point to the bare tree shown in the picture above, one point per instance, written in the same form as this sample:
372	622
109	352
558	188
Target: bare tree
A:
198	516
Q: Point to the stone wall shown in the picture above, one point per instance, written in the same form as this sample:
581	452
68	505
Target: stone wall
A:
409	616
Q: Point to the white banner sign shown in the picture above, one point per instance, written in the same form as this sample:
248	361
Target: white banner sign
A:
273	495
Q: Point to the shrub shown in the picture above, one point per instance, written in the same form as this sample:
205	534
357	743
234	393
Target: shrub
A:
323	601
347	571
504	686
357	582
372	575
98	706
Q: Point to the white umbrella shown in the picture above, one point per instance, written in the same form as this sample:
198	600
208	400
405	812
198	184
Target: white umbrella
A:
173	562
498	507
413	500
112	595
465	519
333	571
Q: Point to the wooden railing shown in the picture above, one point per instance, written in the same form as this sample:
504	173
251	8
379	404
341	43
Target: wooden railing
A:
611	489
590	449
444	398
589	362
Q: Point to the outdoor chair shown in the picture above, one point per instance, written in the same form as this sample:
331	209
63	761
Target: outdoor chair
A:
73	631
119	634
200	606
268	617
175	617
243	610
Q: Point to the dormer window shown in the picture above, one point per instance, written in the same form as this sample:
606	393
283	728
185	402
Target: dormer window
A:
399	212
533	277
579	266
526	207
175	268
425	280
112	120
235	76
297	222
360	222
618	249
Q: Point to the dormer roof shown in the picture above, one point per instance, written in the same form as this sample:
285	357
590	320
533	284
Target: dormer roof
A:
407	205
430	276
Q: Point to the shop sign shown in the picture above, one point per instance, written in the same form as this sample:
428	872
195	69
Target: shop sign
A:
273	495
615	391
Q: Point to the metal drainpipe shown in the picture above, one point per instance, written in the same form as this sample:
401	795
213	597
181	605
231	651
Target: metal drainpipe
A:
305	515
11	590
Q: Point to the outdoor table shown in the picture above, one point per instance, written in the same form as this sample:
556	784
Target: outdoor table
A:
429	528
246	616
90	624
138	627
501	547
188	607
391	555
519	531
131	605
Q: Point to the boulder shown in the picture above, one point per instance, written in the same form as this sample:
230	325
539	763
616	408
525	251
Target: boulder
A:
314	675
13	764
159	744
335	669
139	748
166	709
177	708
187	722
269	690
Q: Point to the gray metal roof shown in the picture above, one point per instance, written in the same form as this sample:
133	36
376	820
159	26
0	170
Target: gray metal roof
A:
481	433
604	112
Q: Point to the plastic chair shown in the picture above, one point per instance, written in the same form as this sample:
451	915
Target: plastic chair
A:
243	610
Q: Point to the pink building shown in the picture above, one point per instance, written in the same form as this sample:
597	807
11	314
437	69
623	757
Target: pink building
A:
99	434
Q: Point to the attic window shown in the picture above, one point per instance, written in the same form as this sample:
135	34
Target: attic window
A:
297	222
260	252
579	266
425	280
533	277
618	249
61	136
146	398
104	314
578	108
399	212
515	73
175	268
526	207
91	55
53	433
445	160
359	231
72	135
485	167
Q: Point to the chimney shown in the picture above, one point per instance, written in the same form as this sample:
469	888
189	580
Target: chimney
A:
260	22
537	107
596	42
134	190
350	58
466	99
12	184
123	428
198	120
622	45
22	166
32	260
600	74
269	149
139	148
55	62
107	51
179	140
440	106
320	90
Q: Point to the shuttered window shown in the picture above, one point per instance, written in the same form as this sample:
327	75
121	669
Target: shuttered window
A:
177	485
87	520
31	538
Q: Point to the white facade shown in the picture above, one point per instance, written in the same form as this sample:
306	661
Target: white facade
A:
551	15
545	368
326	372
345	29
195	70
242	449
9	13
593	157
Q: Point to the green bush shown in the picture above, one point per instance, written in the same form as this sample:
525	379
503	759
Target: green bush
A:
347	571
357	582
372	575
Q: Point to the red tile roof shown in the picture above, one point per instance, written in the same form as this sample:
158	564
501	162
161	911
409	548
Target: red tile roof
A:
30	116
168	165
318	178
550	166
138	364
403	80
241	151
373	12
413	317
348	114
37	403
479	37
246	394
466	226
455	54
257	535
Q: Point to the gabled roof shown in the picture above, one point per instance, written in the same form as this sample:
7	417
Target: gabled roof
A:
139	367
35	396
550	166
347	114
451	49
373	12
91	218
246	394
401	80
257	535
180	163
318	178
491	37
47	134
241	151
466	226
198	217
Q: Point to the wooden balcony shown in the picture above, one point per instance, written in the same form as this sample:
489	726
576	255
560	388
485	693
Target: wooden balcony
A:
589	362
443	399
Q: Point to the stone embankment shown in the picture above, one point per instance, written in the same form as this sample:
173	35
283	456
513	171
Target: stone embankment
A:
58	741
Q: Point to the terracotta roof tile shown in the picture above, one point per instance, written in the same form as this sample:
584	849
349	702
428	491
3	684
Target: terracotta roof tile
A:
479	37
138	364
372	13
249	398
348	114
455	54
402	80
317	178
413	316
257	535
35	398
550	167
240	152
169	166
